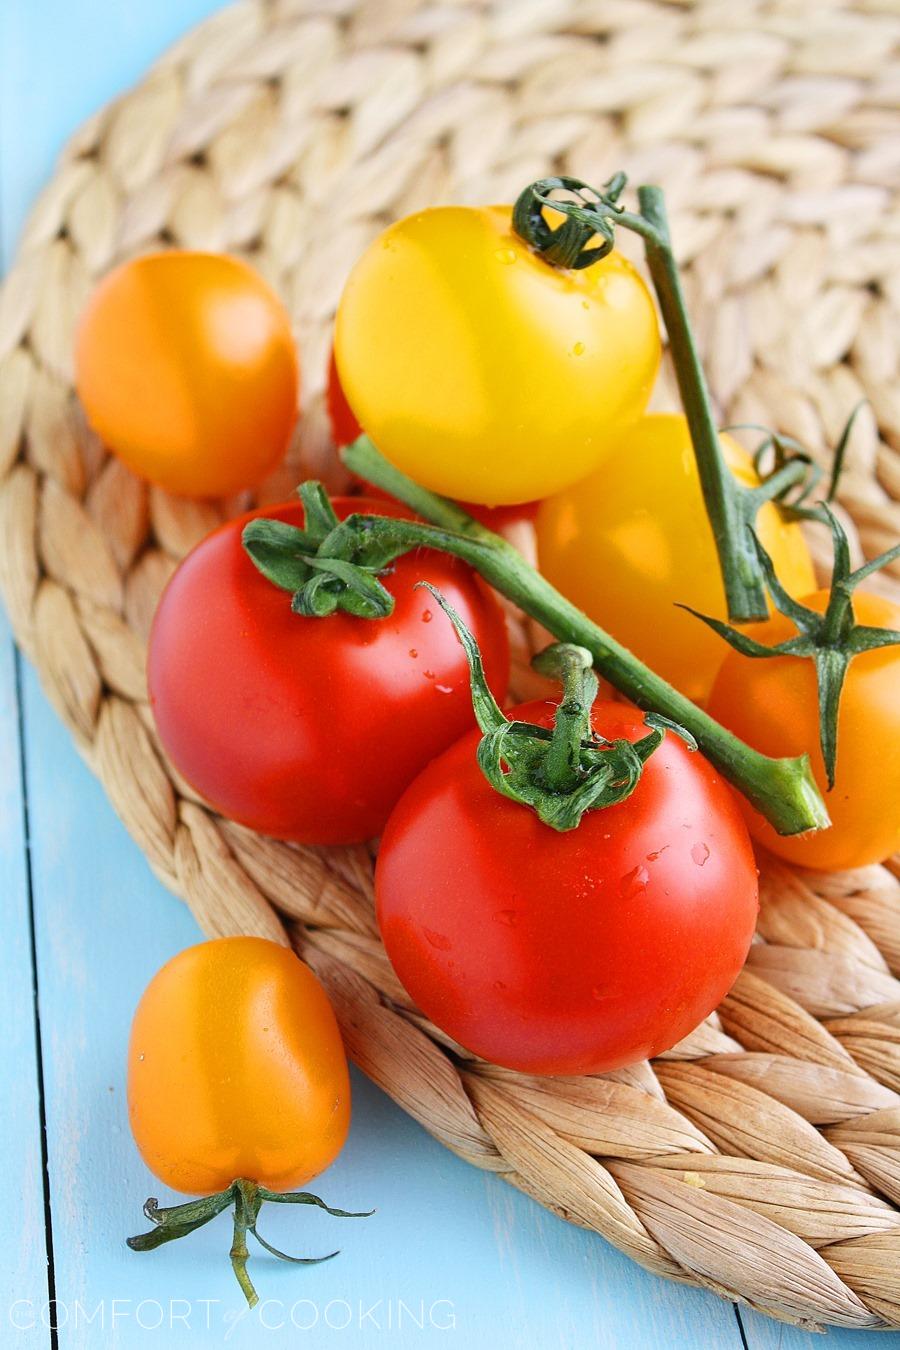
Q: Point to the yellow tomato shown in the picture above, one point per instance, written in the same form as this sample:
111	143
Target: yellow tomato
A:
772	703
633	541
484	372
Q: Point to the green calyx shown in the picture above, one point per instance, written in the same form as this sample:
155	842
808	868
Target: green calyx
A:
830	640
565	772
317	563
247	1197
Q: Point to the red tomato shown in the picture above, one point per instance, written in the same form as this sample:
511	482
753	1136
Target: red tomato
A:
344	426
576	952
345	429
310	729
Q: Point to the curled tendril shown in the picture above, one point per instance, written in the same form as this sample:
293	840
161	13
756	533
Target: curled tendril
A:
588	214
790	476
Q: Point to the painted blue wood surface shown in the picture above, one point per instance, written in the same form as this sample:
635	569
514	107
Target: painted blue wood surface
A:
24	1272
451	1252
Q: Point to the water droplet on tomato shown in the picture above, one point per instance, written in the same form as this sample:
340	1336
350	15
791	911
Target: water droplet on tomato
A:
507	256
578	349
599	994
634	883
437	940
427	616
444	688
509	917
429	674
413	653
499	986
657	853
699	853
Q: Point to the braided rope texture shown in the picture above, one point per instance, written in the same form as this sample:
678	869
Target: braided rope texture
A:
761	1156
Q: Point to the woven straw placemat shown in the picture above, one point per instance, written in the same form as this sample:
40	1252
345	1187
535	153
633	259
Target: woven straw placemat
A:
761	1157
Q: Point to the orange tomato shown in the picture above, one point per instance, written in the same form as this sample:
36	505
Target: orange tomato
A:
186	367
236	1069
772	703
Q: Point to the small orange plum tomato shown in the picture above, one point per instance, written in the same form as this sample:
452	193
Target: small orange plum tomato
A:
236	1069
186	367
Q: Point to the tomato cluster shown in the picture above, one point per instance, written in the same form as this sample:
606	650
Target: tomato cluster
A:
565	889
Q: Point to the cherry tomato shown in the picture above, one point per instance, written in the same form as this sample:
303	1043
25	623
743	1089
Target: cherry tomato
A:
236	1069
482	371
633	541
187	369
344	426
570	952
310	728
772	703
345	429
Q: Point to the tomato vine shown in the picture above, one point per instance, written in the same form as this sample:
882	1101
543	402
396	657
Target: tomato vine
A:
782	789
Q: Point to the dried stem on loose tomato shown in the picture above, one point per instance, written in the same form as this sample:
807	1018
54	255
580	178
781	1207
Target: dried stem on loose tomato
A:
591	215
829	640
561	773
247	1197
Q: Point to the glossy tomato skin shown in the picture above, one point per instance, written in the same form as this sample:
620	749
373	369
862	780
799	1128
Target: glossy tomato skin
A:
310	729
482	371
345	429
186	367
633	542
772	703
575	952
236	1069
341	419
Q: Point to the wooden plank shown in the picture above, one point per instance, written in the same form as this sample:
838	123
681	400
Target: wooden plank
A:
24	1289
763	1334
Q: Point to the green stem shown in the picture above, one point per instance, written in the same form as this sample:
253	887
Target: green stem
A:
572	724
246	1209
247	1197
782	789
744	590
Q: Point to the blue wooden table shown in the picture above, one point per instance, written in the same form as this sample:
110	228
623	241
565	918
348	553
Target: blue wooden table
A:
452	1255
